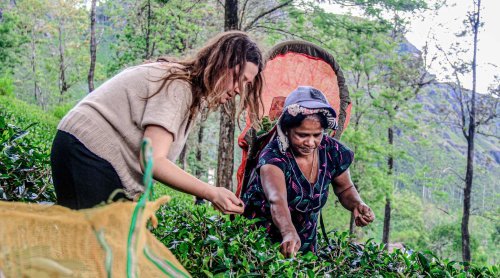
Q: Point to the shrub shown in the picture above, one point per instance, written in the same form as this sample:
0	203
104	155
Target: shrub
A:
26	135
210	245
61	110
6	85
24	164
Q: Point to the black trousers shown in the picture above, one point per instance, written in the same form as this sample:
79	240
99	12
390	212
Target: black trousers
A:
81	178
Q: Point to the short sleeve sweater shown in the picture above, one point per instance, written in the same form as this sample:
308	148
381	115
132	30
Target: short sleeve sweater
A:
111	120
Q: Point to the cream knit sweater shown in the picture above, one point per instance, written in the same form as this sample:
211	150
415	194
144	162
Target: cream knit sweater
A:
111	120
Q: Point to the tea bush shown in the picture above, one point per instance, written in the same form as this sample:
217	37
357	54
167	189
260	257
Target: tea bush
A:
210	245
61	110
24	114
25	137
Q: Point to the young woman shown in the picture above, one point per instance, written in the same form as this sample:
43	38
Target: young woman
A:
290	184
97	147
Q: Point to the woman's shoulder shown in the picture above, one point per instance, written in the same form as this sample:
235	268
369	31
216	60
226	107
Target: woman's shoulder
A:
155	73
153	70
271	154
271	149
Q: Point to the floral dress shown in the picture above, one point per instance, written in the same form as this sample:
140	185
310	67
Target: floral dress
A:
305	200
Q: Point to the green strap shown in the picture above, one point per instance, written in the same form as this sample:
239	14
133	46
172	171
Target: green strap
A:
165	266
147	156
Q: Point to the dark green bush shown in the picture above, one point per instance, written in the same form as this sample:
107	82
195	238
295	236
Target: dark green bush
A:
210	245
26	135
24	164
24	114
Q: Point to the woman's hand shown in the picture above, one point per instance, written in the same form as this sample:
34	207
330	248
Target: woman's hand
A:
290	244
349	198
225	201
363	215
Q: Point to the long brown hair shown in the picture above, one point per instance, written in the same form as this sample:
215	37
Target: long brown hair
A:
207	71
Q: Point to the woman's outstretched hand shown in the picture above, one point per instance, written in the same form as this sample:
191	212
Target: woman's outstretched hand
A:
225	201
363	215
290	244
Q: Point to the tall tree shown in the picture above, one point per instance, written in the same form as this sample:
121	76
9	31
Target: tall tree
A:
93	45
198	155
405	78
51	57
225	163
34	27
475	21
68	19
467	118
157	28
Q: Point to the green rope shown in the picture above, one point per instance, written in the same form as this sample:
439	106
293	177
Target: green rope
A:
147	156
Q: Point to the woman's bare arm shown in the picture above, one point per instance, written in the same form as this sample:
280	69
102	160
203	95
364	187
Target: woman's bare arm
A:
350	199
168	173
273	183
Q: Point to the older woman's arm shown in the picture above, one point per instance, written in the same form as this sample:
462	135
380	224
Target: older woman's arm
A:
350	199
273	183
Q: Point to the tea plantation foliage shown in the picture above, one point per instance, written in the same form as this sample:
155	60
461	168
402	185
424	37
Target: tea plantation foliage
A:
26	133
211	245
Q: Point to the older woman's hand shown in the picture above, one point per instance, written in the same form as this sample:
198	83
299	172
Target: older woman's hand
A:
290	244
363	215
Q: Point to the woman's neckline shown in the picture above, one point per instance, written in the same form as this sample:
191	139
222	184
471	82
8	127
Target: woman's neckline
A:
317	158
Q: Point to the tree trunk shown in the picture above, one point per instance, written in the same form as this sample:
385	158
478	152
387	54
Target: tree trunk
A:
198	169
469	175
183	157
225	160
387	212
93	46
387	222
231	15
36	89
147	54
390	160
198	172
466	254
63	84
